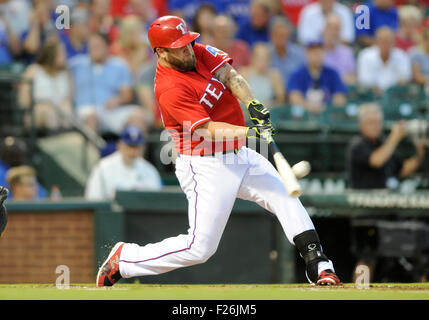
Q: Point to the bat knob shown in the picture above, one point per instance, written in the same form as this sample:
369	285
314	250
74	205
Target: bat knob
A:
295	193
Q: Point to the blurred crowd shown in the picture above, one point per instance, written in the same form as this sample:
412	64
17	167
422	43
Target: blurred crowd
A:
304	54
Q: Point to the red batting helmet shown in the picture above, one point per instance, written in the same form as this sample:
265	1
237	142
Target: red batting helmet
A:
170	32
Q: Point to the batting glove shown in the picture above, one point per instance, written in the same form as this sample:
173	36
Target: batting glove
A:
259	131
258	113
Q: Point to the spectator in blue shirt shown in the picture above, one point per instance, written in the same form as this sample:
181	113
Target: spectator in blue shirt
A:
187	9
9	42
381	13
3	171
103	89
286	56
314	86
238	10
256	27
76	40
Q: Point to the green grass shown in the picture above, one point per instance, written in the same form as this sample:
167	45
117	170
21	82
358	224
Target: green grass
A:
417	291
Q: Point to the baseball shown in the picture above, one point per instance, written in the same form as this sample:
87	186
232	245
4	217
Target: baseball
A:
301	169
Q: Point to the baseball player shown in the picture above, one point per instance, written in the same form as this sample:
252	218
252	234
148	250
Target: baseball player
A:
199	91
3	212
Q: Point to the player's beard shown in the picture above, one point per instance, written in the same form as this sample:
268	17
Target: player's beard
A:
183	65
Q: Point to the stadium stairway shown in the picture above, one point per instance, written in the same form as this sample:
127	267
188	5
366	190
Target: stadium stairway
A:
65	160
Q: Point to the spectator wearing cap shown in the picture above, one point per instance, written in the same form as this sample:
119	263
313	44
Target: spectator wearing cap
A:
124	170
313	86
312	21
76	40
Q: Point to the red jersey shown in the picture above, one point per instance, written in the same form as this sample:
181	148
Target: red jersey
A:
189	99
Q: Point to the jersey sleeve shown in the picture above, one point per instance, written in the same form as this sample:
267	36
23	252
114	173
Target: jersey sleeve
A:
184	108
212	57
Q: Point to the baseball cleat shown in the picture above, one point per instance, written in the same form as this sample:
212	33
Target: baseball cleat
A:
109	274
328	278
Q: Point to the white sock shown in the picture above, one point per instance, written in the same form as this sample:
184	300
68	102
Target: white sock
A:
324	265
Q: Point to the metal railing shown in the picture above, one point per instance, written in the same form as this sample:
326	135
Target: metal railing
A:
13	123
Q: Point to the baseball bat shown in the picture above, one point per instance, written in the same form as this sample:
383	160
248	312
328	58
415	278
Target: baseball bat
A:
289	179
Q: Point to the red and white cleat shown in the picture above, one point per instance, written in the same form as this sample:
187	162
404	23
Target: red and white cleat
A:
109	274
328	278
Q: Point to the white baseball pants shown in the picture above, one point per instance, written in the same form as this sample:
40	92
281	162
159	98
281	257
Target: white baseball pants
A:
211	185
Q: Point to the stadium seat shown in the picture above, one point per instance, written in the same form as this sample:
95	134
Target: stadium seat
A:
343	119
279	114
359	94
296	120
403	102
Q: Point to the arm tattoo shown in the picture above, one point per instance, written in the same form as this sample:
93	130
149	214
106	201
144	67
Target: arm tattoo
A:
235	82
